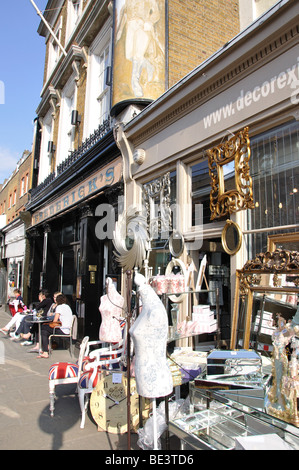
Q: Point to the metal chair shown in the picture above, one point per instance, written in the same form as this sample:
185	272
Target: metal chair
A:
69	337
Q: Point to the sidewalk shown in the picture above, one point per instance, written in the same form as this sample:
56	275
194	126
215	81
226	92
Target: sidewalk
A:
25	422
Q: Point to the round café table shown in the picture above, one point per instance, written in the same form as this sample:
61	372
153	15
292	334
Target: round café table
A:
39	321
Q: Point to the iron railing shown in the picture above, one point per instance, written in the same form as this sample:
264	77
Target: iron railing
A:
74	156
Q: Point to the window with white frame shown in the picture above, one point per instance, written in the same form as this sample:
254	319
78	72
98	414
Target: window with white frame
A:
99	90
54	49
66	129
73	14
22	188
45	163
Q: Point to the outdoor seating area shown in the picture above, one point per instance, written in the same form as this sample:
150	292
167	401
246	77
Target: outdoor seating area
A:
26	422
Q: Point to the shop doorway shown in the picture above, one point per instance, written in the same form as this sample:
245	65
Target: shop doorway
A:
68	278
67	273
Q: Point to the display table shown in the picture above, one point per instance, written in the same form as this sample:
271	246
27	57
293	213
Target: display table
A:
218	423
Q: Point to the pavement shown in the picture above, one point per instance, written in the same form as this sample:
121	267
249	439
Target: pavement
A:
25	421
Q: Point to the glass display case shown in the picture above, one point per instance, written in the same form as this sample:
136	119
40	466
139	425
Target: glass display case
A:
218	423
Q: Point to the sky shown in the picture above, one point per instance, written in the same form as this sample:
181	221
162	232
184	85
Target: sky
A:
22	57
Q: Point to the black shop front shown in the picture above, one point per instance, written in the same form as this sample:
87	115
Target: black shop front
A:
71	249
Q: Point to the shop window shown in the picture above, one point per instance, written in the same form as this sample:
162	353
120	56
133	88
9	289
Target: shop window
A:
67	234
160	202
275	176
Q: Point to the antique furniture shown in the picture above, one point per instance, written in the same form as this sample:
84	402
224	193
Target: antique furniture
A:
218	423
266	288
62	373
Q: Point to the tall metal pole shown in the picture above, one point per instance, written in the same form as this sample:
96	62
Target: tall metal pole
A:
48	27
129	297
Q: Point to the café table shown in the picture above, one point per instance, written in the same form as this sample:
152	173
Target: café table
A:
38	321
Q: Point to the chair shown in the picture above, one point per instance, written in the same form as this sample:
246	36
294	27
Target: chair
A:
98	360
70	336
62	373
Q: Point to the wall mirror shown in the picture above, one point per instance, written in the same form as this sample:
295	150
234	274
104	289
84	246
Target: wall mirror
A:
229	172
231	237
266	287
176	243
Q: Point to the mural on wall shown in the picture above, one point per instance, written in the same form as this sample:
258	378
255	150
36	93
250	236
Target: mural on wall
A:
139	54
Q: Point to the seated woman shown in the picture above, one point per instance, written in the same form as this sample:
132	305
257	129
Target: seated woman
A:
19	309
64	315
26	328
50	316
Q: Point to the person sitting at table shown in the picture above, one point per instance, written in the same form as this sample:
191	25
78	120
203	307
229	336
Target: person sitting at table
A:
20	310
50	316
64	315
25	330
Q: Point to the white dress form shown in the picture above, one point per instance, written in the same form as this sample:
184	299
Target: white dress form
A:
111	309
149	334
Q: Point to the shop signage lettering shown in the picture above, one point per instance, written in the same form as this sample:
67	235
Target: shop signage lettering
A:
106	176
288	78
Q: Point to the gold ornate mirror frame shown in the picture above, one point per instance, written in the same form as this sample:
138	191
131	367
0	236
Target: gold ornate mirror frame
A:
237	150
283	241
231	237
249	279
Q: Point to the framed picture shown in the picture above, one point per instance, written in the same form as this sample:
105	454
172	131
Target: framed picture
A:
201	274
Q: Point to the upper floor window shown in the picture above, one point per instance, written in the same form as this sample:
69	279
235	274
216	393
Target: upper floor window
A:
54	49
66	129
99	90
47	131
24	185
14	198
73	14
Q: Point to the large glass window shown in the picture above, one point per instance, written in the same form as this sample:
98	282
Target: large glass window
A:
275	176
160	203
201	190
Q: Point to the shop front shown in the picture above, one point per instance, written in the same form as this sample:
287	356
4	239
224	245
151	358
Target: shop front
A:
216	154
15	257
68	253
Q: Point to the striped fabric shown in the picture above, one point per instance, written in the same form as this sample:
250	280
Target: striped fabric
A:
63	370
85	378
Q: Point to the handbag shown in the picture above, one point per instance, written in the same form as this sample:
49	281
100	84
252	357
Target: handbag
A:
54	324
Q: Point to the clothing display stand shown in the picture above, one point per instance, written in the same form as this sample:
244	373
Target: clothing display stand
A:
155	433
129	298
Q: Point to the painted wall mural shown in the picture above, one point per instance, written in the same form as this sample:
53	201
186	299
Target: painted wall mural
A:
139	53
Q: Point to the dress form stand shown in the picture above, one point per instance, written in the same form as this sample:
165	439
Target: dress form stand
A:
111	308
149	333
